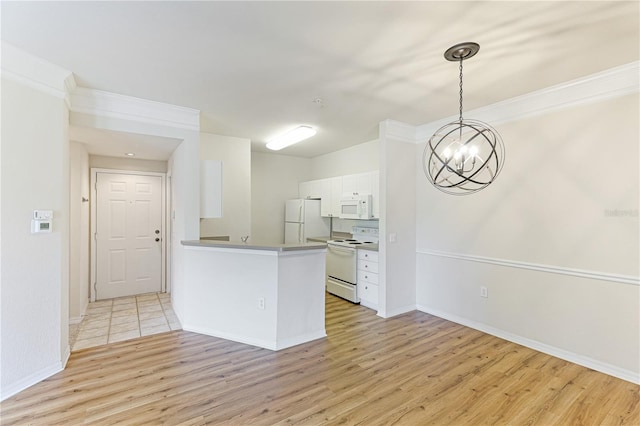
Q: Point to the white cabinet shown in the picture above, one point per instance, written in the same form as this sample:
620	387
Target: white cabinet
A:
361	183
336	193
367	280
375	192
330	190
327	190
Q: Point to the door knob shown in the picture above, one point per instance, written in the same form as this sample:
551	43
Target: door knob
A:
157	239
157	231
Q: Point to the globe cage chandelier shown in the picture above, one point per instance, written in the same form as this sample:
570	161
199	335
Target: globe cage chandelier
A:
464	156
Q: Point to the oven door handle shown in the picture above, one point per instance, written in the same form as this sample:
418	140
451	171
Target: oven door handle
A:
347	251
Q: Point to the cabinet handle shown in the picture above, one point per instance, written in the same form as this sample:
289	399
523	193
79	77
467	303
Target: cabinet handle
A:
366	277
366	266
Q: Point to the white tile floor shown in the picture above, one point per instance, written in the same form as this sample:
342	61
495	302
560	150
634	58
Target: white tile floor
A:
115	320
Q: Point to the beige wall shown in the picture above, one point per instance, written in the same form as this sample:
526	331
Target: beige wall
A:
79	230
235	154
543	240
274	180
355	159
35	267
132	164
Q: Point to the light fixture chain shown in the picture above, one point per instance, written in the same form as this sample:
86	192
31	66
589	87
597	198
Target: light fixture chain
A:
461	89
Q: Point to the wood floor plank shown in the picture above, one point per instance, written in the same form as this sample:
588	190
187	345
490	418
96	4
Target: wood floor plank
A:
414	369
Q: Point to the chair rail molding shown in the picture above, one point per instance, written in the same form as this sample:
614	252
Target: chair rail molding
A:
595	275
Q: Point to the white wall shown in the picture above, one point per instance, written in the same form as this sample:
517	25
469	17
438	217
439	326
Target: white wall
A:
561	269
235	154
35	267
274	179
355	159
79	231
397	220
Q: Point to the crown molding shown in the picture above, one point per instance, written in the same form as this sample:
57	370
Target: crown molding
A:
35	72
112	105
612	83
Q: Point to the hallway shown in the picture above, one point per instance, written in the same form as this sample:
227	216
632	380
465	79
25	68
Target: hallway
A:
124	318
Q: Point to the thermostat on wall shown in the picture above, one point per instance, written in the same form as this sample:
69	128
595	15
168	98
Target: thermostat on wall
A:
42	221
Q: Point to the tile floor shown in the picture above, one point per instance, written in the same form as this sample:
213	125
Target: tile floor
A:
115	320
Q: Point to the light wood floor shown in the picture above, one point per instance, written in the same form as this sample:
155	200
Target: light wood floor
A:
414	369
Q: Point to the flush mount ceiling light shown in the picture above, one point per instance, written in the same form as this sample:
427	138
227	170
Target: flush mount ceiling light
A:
296	135
464	156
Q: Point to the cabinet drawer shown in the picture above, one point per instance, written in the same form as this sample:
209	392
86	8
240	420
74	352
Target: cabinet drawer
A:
367	277
369	255
368	292
365	265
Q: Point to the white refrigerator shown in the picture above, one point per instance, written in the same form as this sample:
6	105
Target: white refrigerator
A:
302	220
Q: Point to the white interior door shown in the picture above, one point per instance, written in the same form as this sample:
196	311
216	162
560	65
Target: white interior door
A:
128	234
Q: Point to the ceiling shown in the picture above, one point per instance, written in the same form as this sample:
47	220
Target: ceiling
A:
256	69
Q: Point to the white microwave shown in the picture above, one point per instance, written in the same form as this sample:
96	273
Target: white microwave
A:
356	207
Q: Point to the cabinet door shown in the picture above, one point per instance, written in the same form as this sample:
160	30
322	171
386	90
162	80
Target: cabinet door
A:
325	197
336	194
375	193
349	184
363	183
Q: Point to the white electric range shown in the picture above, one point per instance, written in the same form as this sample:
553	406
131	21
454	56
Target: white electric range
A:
342	262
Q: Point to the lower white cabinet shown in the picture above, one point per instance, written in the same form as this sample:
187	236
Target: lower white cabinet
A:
367	281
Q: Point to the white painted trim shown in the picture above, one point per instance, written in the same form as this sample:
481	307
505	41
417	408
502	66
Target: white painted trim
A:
397	311
35	72
582	273
584	361
106	104
608	84
31	380
166	255
299	340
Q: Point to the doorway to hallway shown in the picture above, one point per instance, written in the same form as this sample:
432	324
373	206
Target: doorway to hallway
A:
128	230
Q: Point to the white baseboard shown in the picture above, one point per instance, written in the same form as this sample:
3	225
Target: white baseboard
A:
31	380
273	345
396	311
584	361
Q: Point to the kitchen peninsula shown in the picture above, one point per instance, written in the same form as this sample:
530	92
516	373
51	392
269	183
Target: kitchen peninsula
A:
266	295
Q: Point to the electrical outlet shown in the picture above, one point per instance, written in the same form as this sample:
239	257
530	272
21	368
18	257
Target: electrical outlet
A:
484	292
261	303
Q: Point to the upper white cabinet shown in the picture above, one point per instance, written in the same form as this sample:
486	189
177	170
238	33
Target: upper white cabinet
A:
360	183
327	190
375	190
330	190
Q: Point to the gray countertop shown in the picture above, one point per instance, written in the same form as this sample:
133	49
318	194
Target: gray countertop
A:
254	245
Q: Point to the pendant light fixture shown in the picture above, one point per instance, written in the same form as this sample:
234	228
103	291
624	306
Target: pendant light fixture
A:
464	156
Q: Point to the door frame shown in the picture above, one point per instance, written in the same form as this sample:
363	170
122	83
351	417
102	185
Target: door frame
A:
165	226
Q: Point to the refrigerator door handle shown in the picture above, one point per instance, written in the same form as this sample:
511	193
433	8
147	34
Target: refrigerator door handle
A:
300	218
300	232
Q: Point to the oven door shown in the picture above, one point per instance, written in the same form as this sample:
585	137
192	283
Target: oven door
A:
341	263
